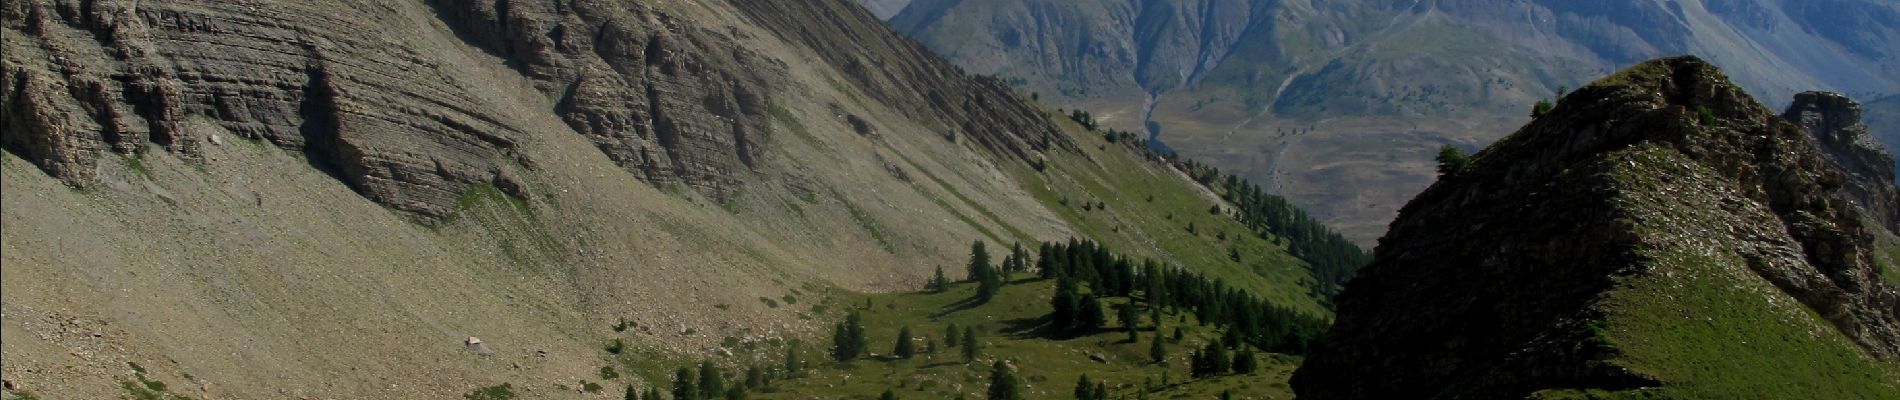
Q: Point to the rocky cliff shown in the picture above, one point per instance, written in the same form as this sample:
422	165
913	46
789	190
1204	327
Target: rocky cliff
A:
672	101
88	79
1658	234
1834	122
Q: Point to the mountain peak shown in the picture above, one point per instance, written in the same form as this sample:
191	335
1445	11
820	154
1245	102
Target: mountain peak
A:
1631	239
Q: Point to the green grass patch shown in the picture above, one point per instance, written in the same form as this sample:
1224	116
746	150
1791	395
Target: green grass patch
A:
511	222
784	118
1707	326
1006	327
503	391
137	164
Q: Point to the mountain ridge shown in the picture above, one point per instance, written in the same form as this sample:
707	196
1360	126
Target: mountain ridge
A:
343	198
1675	214
1302	95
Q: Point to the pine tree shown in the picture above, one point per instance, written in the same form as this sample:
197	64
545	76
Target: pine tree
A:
888	395
939	284
653	393
1452	161
1156	350
1130	320
631	394
1244	362
951	334
1063	305
792	363
848	338
736	393
710	382
1003	384
1093	317
1218	362
970	348
979	262
754	377
1022	258
1101	390
684	386
905	349
1084	389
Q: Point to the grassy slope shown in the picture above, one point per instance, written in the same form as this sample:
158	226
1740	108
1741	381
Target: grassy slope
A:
1709	328
1005	327
1149	209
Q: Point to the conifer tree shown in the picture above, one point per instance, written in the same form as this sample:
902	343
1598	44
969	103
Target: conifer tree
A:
905	349
1064	304
939	284
1003	384
684	386
888	395
1084	389
979	262
1244	362
951	335
631	394
1130	320
1093	317
1156	350
970	348
711	383
754	377
848	338
737	393
792	362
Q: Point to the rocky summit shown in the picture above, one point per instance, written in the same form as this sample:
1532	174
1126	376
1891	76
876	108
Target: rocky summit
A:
1658	234
1834	122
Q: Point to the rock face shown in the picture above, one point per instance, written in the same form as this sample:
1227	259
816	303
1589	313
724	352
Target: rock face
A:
89	79
899	71
1834	122
1654	194
673	102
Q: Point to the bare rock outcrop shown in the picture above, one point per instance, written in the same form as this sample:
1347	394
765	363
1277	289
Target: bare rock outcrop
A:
1833	121
671	101
84	79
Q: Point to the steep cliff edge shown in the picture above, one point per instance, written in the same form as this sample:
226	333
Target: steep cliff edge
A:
87	78
1834	122
1658	234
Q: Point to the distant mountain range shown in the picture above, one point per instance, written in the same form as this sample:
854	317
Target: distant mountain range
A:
1341	104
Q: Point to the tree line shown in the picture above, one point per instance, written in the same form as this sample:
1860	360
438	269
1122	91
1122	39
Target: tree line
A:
1247	318
1334	258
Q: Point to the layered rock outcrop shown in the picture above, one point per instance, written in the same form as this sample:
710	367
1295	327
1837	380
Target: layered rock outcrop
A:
673	101
670	101
87	79
1511	278
1834	122
897	70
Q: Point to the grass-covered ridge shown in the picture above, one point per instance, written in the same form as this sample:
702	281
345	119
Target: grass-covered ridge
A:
1700	322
